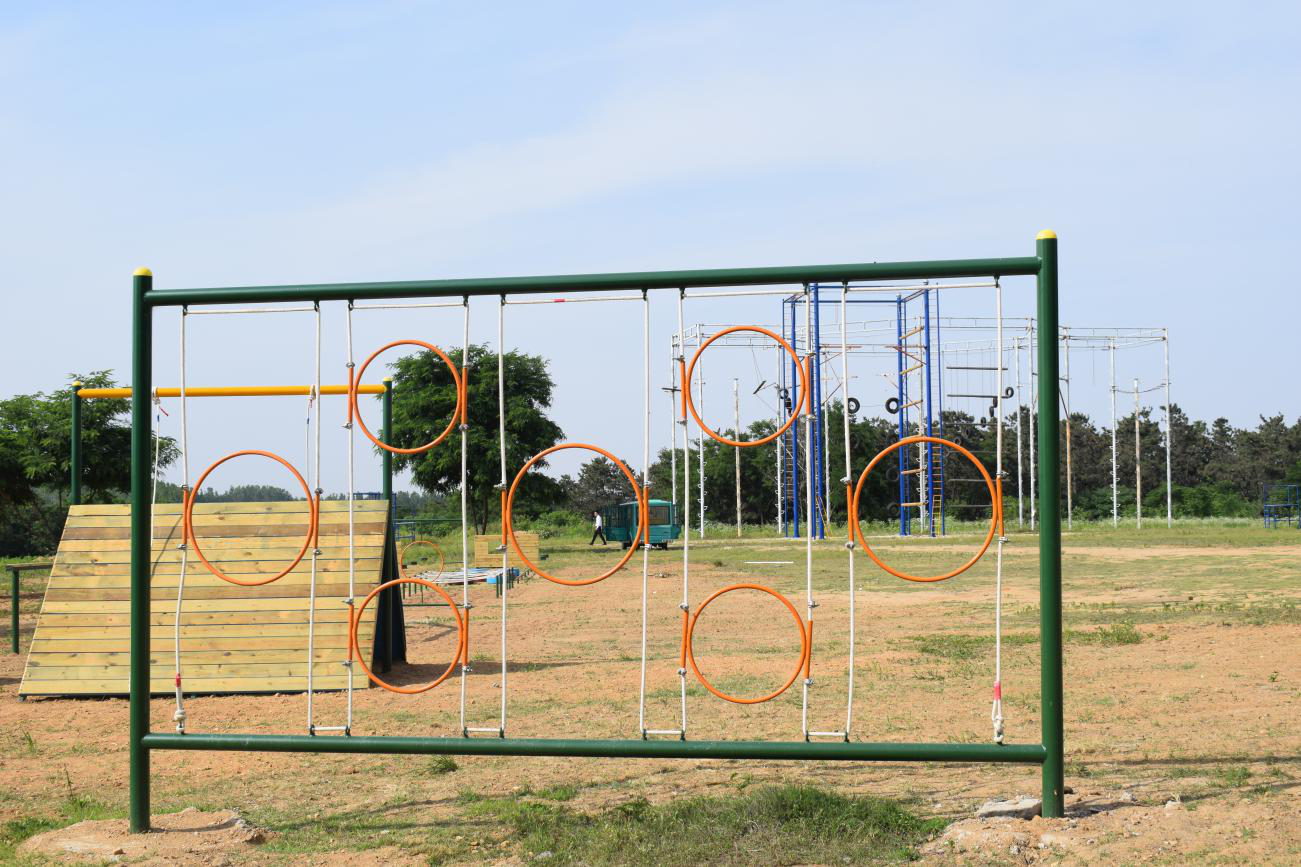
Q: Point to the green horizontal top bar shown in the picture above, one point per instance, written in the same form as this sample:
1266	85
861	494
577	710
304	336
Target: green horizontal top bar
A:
635	749
635	280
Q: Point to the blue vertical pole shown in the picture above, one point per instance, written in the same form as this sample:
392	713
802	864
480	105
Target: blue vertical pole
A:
819	528
929	472
903	413
782	415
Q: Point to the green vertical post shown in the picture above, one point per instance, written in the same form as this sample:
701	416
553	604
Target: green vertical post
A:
13	614
1050	537
141	545
74	448
387	436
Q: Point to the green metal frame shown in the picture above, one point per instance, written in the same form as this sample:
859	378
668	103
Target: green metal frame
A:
15	570
1048	753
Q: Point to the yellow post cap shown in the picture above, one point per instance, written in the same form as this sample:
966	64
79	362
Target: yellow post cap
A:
143	272
1045	235
388	379
76	383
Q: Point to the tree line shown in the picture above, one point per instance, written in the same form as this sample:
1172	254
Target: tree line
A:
1217	470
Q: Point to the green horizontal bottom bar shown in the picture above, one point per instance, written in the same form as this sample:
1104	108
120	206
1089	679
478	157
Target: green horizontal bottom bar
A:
612	749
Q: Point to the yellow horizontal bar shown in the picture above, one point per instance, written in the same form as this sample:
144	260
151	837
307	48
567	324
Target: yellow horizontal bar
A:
232	391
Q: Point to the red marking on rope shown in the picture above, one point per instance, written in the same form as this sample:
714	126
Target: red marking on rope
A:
998	691
558	300
178	679
163	411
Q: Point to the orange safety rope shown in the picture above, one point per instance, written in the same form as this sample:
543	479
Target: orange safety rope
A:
994	500
800	665
801	366
313	518
354	645
638	495
354	411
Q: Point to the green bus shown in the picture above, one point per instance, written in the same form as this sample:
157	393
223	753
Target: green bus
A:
621	522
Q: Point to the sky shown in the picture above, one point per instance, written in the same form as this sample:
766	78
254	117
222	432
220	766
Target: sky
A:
262	143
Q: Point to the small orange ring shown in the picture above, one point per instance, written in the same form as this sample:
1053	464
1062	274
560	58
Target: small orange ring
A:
355	645
313	517
993	499
637	495
355	411
414	542
799	365
799	666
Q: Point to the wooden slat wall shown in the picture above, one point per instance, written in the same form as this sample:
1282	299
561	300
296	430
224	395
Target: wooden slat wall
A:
487	555
233	639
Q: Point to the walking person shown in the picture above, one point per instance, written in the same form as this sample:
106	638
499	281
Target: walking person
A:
598	529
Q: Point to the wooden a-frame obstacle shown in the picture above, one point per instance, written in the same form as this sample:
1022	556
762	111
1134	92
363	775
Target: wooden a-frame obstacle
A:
234	639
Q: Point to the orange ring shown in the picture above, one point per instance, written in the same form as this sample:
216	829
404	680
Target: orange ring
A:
313	517
795	413
414	542
993	518
637	495
355	411
355	646
799	666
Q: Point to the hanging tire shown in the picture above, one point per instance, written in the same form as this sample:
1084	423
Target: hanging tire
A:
1008	392
892	405
854	406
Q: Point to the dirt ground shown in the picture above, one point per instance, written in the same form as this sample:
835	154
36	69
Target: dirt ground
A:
1182	706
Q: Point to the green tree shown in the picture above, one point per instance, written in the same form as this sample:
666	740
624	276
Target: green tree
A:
35	460
424	398
598	483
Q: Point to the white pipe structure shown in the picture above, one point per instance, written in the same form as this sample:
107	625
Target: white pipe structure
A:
1115	483
1070	480
1138	467
808	493
1169	431
700	437
996	709
179	716
465	495
736	450
1020	504
1033	418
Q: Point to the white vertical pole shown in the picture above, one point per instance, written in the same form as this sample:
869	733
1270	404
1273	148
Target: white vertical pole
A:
1138	469
736	429
1033	415
777	443
674	355
700	438
1115	478
849	517
1169	431
1070	482
1020	503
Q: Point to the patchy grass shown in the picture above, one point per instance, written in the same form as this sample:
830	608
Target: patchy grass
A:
440	765
72	810
765	825
1114	635
1233	776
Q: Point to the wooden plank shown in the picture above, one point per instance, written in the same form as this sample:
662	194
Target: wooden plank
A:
191	658
201	508
366	571
190	673
270	567
486	554
164	686
260	631
204	531
165	618
275	590
198	606
338	639
334	540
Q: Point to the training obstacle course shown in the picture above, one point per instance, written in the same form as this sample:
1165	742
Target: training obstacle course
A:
232	638
840	745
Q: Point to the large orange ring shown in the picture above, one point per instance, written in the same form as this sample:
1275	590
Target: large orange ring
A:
355	646
799	365
313	517
805	650
994	500
413	543
637	495
355	411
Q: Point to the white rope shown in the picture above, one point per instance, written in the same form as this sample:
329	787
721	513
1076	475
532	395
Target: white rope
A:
352	496
996	709
314	456
685	604
808	492
179	716
501	440
644	507
465	529
849	518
